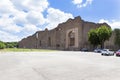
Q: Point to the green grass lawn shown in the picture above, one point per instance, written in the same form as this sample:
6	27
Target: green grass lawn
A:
25	50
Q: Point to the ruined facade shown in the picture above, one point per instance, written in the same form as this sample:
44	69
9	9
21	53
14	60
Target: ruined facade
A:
70	35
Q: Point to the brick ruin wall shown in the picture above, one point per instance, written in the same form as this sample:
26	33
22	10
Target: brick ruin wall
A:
57	38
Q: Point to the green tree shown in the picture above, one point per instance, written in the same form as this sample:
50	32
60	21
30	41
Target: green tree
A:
117	37
104	33
99	36
93	38
2	45
11	44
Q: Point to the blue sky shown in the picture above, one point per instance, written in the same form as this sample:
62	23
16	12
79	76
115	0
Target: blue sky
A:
107	9
21	18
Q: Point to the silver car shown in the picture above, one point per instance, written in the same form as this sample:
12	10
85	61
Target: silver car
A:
107	52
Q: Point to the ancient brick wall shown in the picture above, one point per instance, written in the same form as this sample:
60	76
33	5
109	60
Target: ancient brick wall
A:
58	38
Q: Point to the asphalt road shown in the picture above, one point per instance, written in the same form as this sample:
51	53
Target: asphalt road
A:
62	65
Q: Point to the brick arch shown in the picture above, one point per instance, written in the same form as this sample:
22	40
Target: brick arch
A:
72	38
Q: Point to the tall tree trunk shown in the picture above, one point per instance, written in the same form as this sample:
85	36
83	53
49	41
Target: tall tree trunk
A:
102	45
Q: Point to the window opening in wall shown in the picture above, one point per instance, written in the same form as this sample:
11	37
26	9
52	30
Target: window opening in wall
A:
40	43
57	45
49	41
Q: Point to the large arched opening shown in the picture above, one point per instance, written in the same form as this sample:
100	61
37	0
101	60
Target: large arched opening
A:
71	37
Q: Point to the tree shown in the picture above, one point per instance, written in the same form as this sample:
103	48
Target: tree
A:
11	44
117	37
93	38
104	33
99	36
2	45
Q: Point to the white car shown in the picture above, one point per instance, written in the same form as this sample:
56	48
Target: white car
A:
107	52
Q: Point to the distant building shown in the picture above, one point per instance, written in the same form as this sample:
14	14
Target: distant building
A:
70	35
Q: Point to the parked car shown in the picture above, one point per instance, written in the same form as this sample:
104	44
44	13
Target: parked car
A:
118	53
98	50
84	49
107	52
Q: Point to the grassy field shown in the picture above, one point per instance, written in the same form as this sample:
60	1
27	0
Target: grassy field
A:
24	50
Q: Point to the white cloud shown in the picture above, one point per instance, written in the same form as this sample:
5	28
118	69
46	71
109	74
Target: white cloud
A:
114	23
29	28
28	5
7	37
7	24
5	6
80	3
20	17
56	16
77	1
25	17
35	18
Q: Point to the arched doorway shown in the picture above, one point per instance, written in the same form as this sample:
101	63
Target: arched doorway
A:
71	37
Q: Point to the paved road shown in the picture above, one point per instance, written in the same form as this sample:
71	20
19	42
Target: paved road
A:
58	66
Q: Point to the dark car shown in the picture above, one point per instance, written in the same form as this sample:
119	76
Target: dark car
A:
84	49
98	50
118	53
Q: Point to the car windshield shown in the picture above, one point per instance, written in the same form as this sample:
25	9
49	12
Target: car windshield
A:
97	49
118	50
105	49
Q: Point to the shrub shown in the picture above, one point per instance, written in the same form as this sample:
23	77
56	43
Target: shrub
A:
2	45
